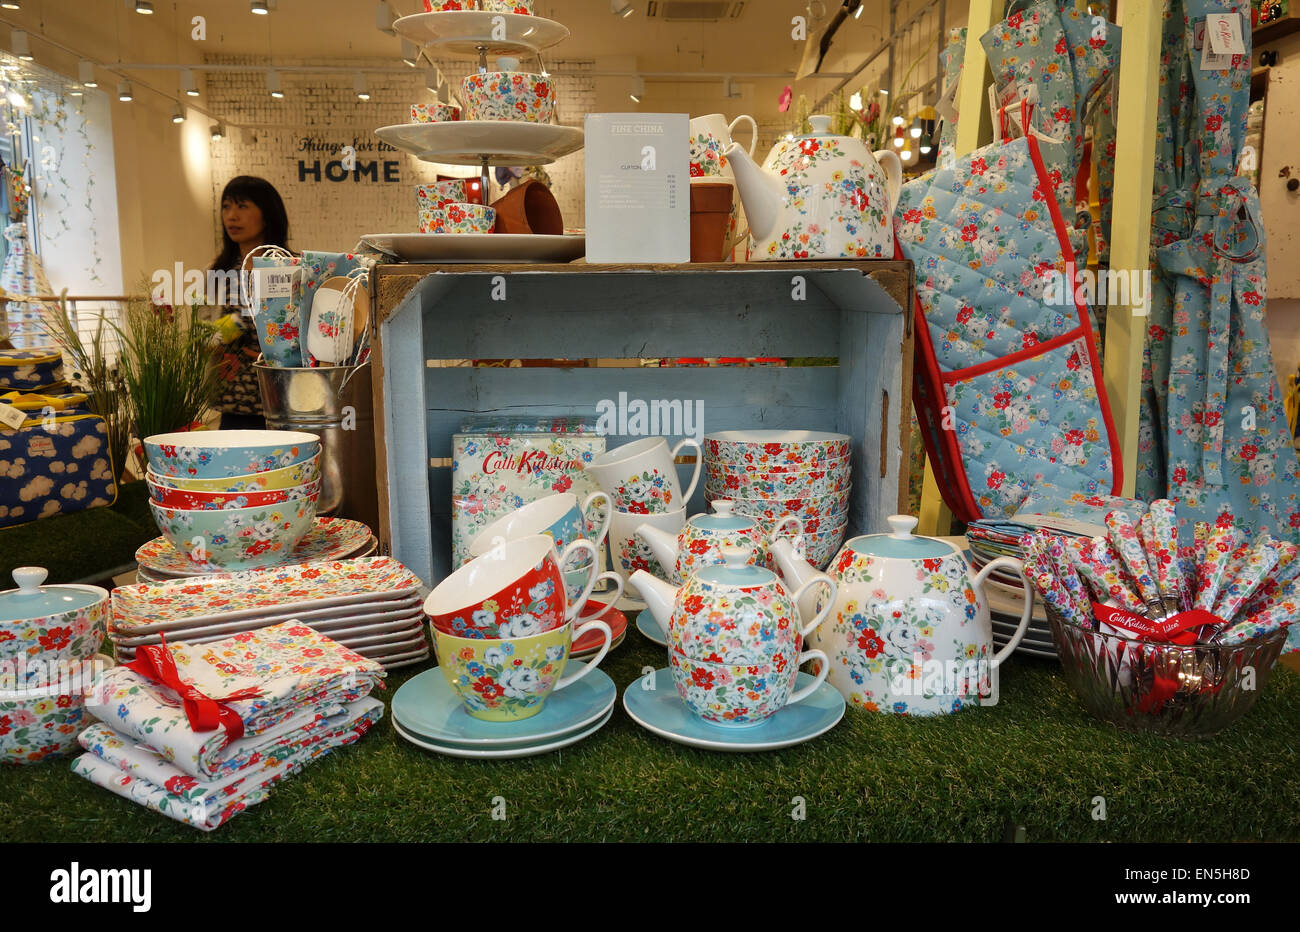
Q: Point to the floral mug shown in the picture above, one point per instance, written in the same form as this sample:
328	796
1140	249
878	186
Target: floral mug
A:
710	137
641	477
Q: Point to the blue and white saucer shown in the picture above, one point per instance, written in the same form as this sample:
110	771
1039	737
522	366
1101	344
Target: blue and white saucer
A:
646	624
661	710
427	709
522	750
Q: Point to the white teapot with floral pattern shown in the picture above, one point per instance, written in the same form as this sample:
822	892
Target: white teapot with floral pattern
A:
910	631
819	197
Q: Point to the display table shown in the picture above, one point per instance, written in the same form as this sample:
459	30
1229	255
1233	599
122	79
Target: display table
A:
1036	760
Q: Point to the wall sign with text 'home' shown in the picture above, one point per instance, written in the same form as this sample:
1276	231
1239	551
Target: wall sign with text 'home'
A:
347	165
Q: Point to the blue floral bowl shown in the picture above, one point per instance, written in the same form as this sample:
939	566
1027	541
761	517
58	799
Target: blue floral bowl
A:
236	538
218	454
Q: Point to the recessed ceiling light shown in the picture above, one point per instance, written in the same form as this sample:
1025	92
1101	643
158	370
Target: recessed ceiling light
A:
86	73
124	91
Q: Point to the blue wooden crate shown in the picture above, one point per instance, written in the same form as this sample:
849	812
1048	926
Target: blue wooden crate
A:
429	315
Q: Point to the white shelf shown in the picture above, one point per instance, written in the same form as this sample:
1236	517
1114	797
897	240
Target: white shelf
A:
473	32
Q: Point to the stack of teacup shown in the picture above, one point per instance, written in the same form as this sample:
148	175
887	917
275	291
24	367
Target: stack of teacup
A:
234	499
504	625
641	481
772	475
444	209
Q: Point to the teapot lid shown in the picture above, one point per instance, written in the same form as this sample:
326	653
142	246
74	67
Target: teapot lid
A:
900	543
722	518
32	600
821	126
737	570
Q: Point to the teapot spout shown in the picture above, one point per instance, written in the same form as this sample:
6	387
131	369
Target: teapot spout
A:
662	544
659	596
761	192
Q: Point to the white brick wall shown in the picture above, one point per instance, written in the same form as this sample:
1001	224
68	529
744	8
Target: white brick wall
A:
333	215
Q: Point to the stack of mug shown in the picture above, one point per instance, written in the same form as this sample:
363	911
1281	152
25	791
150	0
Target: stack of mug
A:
444	209
641	481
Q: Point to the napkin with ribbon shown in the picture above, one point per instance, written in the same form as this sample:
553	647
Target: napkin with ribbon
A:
217	704
115	763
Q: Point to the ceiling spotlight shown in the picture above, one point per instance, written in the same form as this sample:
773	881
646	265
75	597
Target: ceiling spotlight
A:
622	8
11	5
75	91
218	131
384	18
86	73
925	148
178	113
884	93
187	82
273	85
857	14
915	129
638	89
410	53
144	7
359	85
258	7
22	48
124	92
431	79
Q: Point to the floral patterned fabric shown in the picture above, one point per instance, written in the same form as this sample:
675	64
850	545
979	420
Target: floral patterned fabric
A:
1214	432
114	762
304	678
1015	368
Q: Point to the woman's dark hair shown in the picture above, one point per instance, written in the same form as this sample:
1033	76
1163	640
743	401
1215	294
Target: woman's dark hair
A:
275	221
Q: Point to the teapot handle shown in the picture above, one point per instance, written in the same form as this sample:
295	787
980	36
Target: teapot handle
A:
823	669
753	130
826	609
1015	565
893	167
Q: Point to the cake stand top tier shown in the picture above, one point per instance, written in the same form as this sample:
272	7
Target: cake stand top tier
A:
478	32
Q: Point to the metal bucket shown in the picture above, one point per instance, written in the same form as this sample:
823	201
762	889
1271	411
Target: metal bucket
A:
325	401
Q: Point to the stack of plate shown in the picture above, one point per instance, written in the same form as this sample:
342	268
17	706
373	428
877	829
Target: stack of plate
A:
772	475
428	714
328	539
371	605
589	644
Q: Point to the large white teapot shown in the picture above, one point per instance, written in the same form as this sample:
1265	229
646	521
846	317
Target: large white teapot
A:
819	197
910	631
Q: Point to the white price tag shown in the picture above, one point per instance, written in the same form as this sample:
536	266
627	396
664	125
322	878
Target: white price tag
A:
1224	31
11	416
1214	61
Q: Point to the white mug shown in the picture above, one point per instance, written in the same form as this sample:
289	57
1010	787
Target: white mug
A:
640	477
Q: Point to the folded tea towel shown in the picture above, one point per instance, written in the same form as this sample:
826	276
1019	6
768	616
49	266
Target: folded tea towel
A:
197	706
115	763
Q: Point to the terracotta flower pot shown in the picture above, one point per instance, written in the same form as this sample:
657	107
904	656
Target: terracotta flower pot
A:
710	214
529	208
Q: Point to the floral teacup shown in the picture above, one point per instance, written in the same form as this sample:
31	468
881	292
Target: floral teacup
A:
522	7
458	218
436	112
514	590
508	679
741	694
509	95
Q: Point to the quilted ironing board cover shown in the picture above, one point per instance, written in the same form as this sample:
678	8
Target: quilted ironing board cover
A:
1008	386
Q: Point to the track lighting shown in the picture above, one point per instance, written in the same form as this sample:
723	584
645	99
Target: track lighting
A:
638	89
178	113
11	5
218	131
86	73
359	85
187	82
621	8
410	53
258	7
144	7
21	47
124	91
384	18
273	85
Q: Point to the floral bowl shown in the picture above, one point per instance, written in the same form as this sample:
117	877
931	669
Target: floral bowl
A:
778	486
508	679
776	447
44	626
814	508
271	479
37	724
221	454
224	501
509	95
237	538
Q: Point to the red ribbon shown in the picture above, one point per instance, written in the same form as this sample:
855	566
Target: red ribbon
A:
155	662
1182	629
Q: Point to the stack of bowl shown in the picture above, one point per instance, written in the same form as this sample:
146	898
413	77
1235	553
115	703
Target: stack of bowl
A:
773	474
49	636
234	499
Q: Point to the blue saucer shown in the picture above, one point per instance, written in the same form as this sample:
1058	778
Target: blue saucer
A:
646	624
662	711
427	706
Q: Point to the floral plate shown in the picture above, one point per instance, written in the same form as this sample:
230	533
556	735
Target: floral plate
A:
330	539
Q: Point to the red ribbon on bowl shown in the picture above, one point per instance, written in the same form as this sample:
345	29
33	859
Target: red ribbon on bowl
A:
155	662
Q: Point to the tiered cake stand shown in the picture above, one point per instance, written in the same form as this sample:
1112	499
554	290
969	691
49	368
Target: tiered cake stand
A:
485	143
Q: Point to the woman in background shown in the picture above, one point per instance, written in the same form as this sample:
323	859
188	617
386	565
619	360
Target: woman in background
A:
252	215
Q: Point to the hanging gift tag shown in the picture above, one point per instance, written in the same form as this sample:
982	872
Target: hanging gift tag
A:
11	416
331	333
946	108
1224	32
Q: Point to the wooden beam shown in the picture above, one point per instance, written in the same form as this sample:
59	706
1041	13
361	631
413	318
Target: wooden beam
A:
1135	146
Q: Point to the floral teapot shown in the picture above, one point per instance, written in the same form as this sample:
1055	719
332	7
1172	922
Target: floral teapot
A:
733	613
700	541
819	197
910	631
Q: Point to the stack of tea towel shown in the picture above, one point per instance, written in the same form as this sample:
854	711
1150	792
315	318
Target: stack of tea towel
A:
205	734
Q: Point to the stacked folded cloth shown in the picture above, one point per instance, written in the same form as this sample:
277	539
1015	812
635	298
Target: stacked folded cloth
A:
1065	514
201	732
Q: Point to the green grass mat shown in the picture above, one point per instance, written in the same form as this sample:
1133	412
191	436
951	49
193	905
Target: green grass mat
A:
1037	759
82	544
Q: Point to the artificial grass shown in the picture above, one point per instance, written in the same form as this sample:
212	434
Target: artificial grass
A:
1037	759
84	544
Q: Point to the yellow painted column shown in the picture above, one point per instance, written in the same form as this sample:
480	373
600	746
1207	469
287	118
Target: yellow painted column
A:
974	129
1135	149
